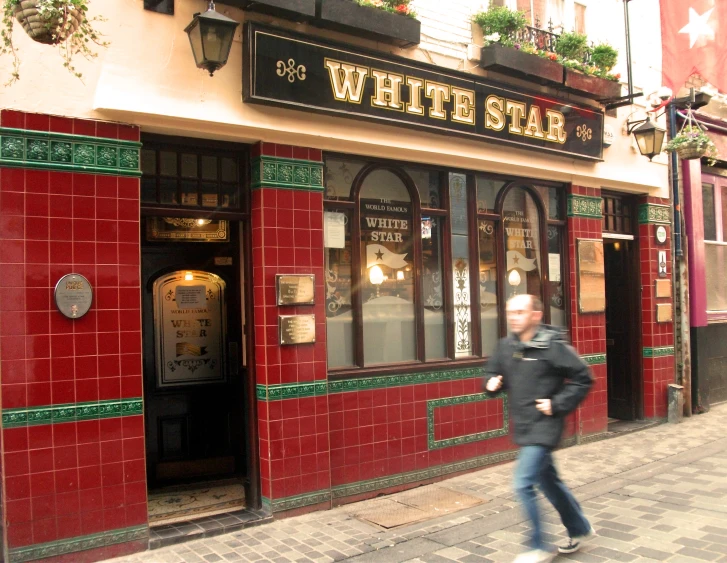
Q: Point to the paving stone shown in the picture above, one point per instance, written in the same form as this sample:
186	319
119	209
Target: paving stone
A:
699	554
652	553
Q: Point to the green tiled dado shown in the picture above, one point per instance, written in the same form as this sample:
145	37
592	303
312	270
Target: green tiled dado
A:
291	390
466	439
79	543
22	148
584	206
658	352
654	213
56	414
297	501
594	359
274	172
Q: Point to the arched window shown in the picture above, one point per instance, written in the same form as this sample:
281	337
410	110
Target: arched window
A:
421	261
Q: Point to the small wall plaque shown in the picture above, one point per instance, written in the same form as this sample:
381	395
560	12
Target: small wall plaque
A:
661	234
297	329
663	288
73	295
295	289
664	313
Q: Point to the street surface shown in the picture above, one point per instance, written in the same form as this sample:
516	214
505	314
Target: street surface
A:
659	494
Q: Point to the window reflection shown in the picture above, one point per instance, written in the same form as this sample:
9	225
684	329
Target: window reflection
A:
521	224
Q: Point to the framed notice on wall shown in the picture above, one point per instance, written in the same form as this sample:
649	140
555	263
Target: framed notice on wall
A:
591	277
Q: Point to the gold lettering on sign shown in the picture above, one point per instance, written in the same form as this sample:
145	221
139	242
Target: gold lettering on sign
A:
347	81
556	126
494	113
464	106
534	127
439	93
516	111
388	90
415	96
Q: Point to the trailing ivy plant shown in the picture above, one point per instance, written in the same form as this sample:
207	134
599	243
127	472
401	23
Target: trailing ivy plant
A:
393	6
501	24
62	23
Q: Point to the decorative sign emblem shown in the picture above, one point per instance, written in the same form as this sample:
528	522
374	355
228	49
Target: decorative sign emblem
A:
661	234
73	295
327	78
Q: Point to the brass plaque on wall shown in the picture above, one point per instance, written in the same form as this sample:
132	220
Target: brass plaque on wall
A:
663	288
73	295
664	313
591	277
187	229
297	329
295	289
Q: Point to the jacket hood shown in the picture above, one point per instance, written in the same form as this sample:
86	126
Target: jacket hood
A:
544	337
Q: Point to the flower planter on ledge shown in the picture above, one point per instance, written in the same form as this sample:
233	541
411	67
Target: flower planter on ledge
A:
508	60
296	10
592	87
371	23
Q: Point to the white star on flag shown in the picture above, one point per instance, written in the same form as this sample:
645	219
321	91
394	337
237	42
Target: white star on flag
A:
379	254
698	26
515	259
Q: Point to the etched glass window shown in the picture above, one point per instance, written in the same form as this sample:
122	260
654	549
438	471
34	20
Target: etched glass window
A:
435	329
521	226
339	314
387	264
489	320
462	293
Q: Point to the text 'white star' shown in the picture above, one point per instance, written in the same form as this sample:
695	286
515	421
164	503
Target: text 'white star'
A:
698	26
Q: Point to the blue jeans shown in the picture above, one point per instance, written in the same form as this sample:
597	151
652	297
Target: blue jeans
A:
535	467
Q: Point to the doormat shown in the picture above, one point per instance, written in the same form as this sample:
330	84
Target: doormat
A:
178	504
423	503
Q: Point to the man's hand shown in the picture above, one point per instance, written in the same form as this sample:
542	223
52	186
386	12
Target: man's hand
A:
544	406
494	384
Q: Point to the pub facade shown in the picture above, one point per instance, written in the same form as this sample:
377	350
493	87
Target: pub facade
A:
279	286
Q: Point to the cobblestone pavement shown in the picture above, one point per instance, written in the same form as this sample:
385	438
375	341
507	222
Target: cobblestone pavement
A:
655	495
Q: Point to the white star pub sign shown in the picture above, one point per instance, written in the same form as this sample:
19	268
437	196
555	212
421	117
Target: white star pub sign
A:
698	26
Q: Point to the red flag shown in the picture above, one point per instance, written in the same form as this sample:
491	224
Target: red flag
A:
694	39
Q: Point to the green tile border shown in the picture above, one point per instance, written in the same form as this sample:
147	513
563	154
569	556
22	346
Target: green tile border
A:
658	352
57	414
594	359
297	501
584	206
654	213
291	391
22	148
290	173
383	381
361	487
79	543
433	404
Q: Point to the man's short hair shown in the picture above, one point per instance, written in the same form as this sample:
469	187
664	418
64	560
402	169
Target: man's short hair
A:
534	301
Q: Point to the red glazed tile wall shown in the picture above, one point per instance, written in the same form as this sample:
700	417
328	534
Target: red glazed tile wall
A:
75	478
658	371
588	332
383	432
287	238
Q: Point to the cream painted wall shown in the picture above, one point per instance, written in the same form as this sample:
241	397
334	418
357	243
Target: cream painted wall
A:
147	77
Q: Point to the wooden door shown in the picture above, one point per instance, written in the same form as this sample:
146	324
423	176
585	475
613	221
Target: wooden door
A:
193	375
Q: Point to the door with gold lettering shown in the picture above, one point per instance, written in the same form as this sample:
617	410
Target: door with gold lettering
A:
193	360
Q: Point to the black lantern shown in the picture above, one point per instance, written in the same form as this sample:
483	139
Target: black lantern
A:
210	35
649	137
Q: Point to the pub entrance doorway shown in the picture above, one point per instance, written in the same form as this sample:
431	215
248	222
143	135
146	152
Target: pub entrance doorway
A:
198	394
623	310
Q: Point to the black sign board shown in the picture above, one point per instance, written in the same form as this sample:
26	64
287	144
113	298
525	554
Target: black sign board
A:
308	74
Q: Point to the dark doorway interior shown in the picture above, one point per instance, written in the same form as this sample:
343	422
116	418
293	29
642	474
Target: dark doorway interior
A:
195	428
622	334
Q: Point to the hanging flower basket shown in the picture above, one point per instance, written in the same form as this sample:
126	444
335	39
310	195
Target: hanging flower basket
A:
691	152
52	29
692	141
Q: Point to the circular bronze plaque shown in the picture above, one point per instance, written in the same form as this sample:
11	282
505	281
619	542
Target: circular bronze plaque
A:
73	295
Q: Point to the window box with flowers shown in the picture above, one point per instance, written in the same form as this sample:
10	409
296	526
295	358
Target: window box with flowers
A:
588	69
296	10
519	62
388	21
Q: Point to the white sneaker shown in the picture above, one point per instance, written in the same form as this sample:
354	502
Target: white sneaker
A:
535	556
575	543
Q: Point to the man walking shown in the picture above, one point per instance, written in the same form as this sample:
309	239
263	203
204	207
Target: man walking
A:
545	380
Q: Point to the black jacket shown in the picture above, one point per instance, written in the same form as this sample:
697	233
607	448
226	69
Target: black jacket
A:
546	367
